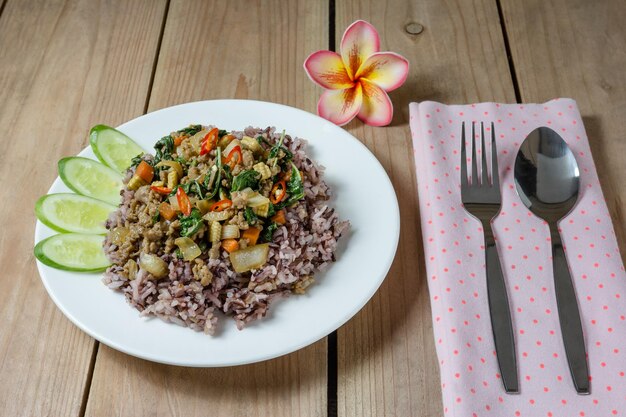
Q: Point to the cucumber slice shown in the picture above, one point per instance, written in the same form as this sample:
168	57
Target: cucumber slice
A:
73	252
113	148
93	179
73	213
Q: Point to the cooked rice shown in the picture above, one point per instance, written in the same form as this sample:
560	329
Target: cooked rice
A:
304	245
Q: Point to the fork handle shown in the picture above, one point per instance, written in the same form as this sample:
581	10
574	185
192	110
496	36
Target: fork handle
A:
569	317
500	314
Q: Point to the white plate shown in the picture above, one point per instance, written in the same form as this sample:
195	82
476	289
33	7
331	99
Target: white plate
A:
363	194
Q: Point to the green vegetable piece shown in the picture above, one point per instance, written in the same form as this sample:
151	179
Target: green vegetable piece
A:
163	149
73	252
191	130
136	160
189	225
250	217
262	141
246	179
113	148
268	233
67	212
295	186
228	176
91	178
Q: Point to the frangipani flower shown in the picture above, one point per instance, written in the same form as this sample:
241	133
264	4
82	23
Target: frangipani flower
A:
357	80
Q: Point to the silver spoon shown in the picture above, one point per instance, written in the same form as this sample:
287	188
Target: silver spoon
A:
547	181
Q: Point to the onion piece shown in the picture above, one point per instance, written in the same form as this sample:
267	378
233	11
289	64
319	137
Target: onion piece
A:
172	164
252	257
218	216
188	248
132	268
153	264
225	140
231	146
197	138
119	234
174	203
203	206
256	200
230	231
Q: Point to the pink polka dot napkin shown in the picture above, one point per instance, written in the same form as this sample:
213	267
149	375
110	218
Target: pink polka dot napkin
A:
455	267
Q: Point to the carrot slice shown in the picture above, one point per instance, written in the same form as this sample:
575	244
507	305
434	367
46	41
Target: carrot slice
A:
280	217
252	234
144	171
166	211
179	139
230	245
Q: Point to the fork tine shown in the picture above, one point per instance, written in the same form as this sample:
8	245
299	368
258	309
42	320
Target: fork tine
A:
495	174
483	160
464	183
475	181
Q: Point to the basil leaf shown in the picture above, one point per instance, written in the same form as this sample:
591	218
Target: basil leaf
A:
250	216
268	233
163	149
246	179
136	160
199	190
191	130
295	185
189	225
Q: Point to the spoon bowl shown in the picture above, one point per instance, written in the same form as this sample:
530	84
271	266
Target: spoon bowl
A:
546	175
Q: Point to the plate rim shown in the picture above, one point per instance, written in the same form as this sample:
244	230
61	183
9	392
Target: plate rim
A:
278	352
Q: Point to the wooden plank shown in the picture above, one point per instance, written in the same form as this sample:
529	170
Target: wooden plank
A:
387	361
233	49
576	49
64	66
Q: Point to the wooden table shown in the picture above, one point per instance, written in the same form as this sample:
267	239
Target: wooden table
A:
67	65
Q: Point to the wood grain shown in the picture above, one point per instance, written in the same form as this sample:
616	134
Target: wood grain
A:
577	49
65	66
387	361
235	49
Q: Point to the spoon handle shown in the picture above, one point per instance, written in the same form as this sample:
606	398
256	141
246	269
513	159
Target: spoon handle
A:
501	324
569	317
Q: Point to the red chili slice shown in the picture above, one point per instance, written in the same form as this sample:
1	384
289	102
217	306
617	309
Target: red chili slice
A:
221	205
230	159
279	191
160	190
209	142
183	201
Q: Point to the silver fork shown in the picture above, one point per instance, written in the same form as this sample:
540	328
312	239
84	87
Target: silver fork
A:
481	198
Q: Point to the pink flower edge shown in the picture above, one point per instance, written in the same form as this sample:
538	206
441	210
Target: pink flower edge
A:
388	70
326	69
335	105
